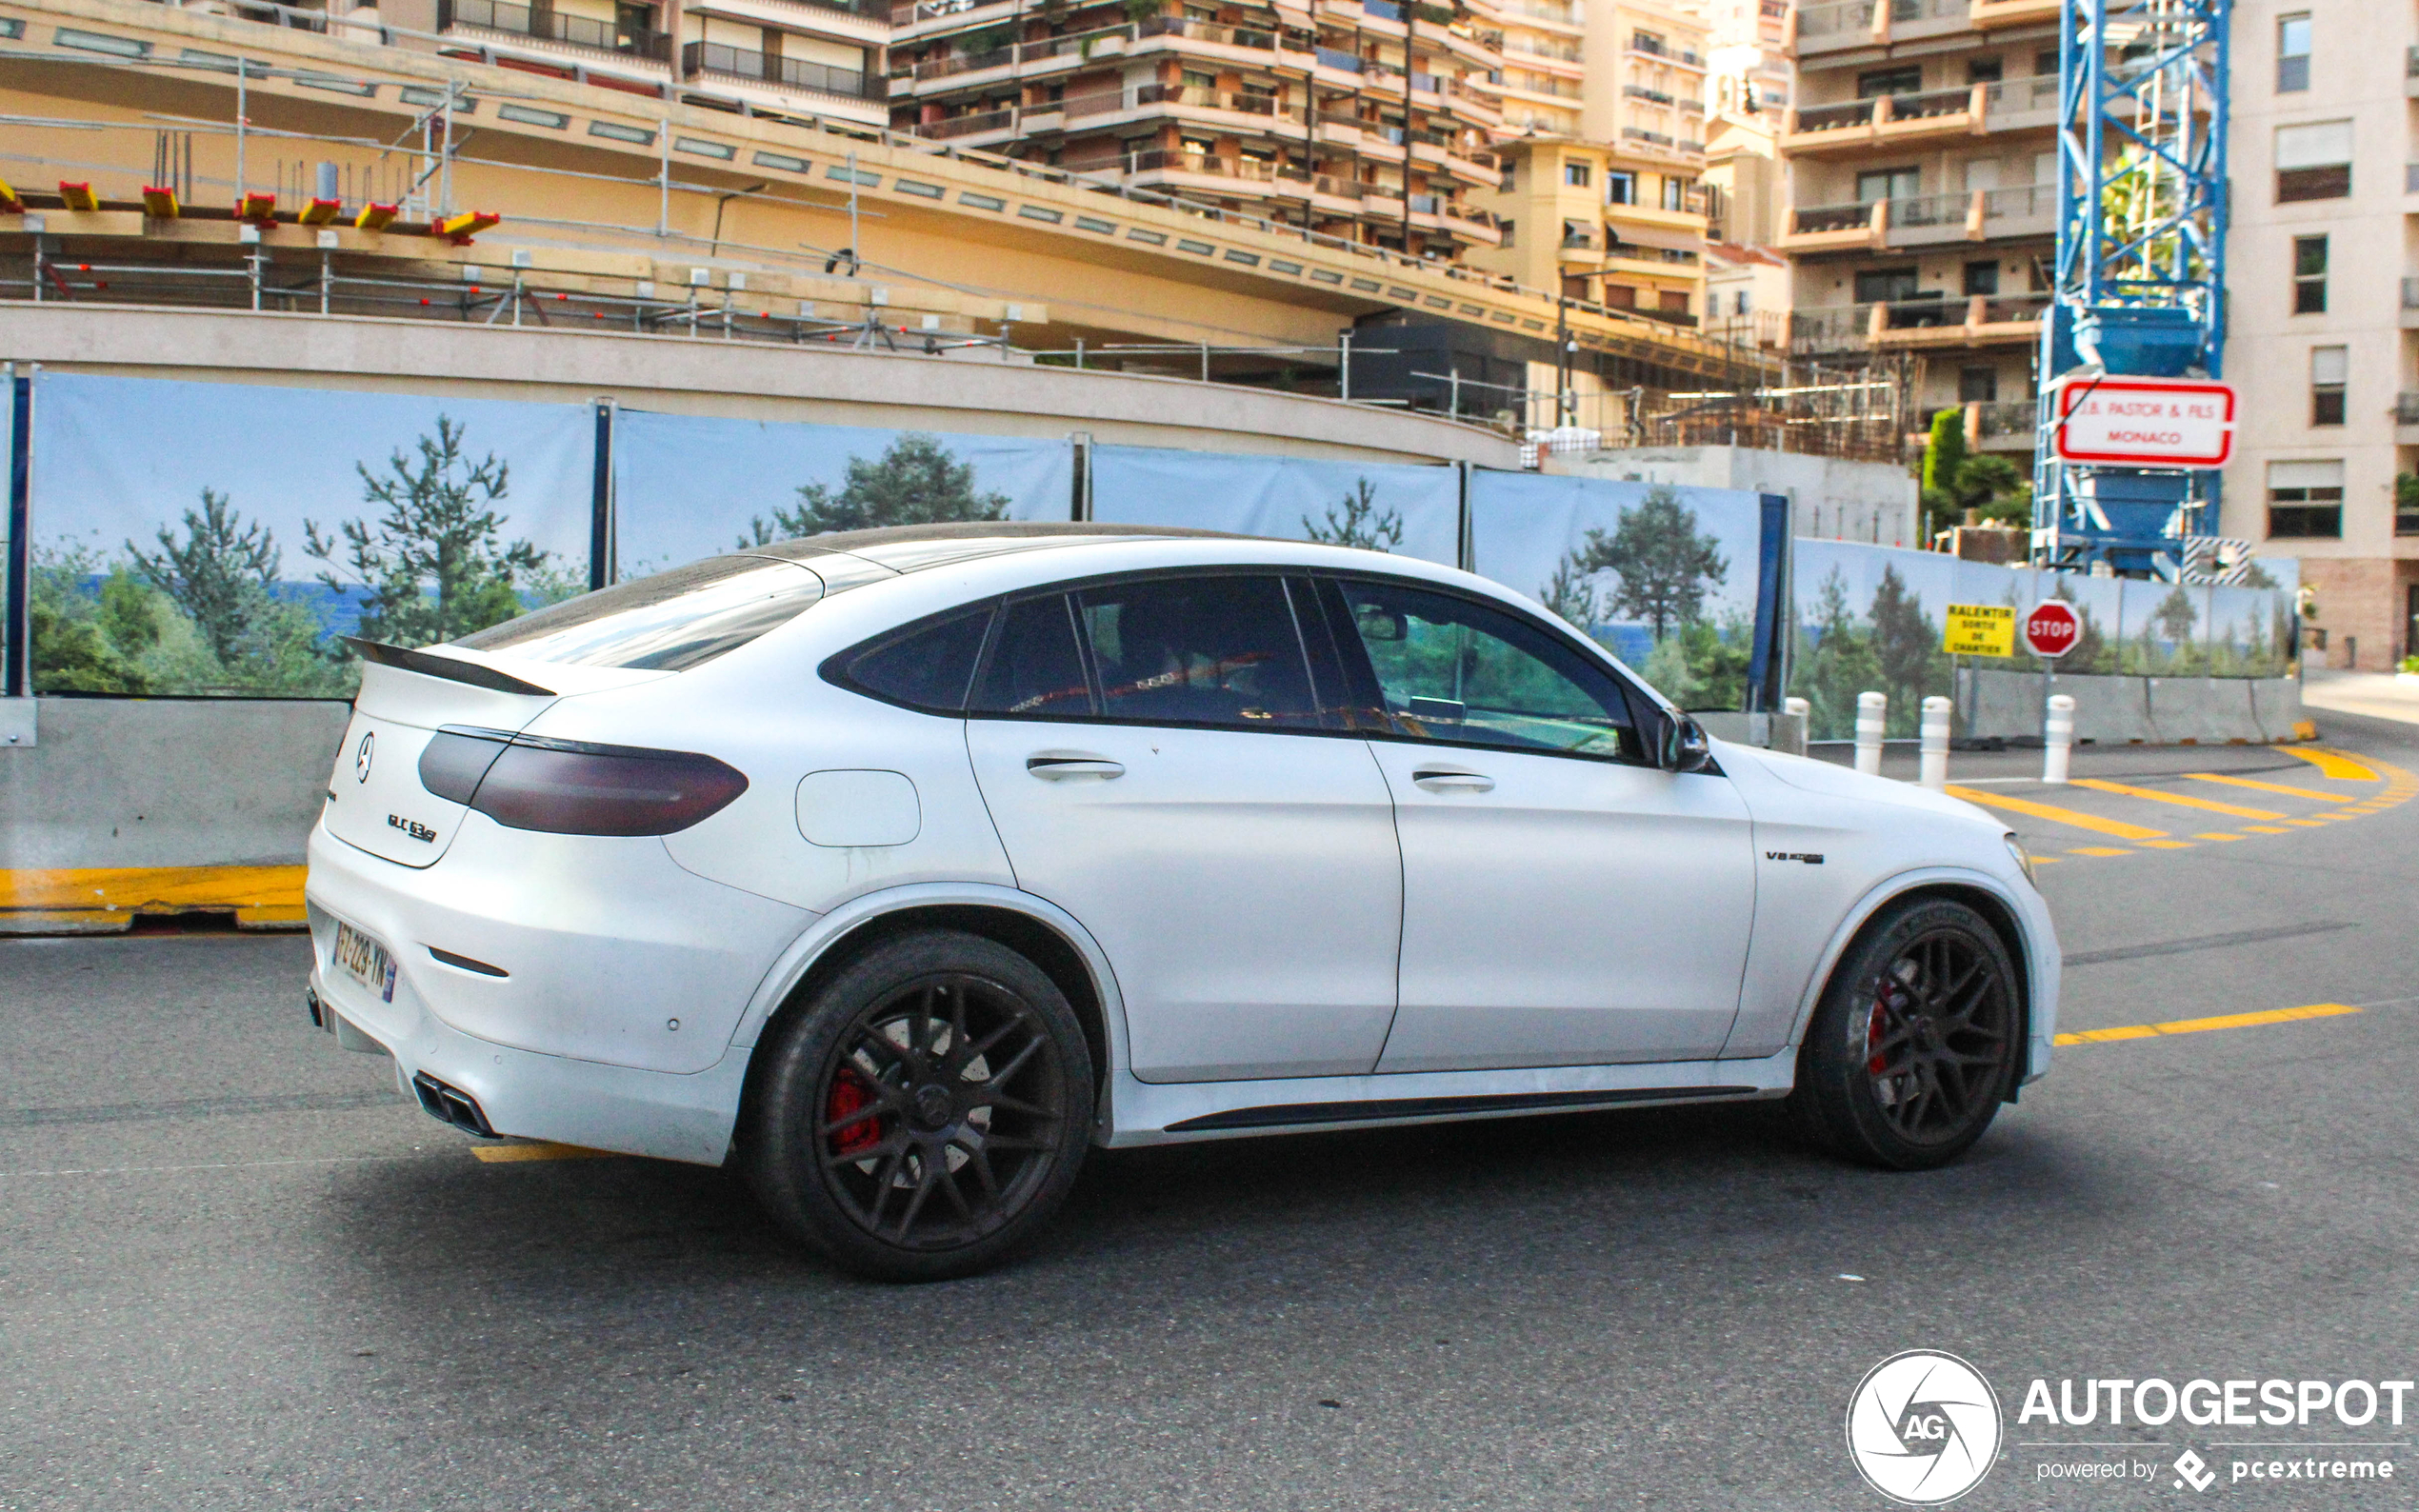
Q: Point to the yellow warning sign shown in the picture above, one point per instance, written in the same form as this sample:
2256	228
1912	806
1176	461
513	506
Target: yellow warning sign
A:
1980	630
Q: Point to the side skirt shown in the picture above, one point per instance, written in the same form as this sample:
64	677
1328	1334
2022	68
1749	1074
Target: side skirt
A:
1155	1113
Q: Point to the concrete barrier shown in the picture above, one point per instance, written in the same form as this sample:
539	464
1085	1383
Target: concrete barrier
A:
138	805
2202	710
1781	732
2276	706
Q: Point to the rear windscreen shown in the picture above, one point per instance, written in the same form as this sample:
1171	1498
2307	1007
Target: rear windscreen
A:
667	622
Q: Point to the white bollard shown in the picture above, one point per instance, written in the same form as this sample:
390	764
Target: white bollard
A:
1801	707
1934	772
2057	738
1873	712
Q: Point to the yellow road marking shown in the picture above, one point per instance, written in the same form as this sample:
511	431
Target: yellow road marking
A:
2267	829
2331	762
538	1150
112	896
2228	1021
2063	816
2217	835
2309	823
2312	794
2178	799
2169	845
2098	850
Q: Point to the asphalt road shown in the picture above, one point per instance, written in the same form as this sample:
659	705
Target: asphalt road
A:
236	1272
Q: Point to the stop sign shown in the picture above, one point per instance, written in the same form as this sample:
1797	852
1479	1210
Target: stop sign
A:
2051	629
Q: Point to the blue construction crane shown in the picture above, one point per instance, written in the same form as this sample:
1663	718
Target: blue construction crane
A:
2141	262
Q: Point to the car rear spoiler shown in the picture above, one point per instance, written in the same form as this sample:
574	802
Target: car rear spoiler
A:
451	668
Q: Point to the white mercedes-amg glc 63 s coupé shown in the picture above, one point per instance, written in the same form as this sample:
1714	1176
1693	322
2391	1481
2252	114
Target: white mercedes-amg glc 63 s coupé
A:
900	866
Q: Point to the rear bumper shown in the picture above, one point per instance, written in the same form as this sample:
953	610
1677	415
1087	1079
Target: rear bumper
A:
551	1097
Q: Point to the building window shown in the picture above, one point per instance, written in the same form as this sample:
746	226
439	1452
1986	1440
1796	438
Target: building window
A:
1575	175
1985	71
2310	275
1977	385
1512	175
2306	500
2292	55
2328	366
1676	193
1620	296
1888	184
1876	286
2314	162
1620	188
1739	302
2046	64
1510	229
2406	522
1905	79
1982	278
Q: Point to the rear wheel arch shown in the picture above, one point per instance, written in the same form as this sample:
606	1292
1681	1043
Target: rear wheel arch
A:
1036	940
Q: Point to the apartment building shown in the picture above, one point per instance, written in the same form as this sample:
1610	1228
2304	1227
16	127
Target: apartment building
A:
1362	119
1747	55
808	59
1922	199
1600	195
2323	313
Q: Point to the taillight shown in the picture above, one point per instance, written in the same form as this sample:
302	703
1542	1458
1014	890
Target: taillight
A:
570	787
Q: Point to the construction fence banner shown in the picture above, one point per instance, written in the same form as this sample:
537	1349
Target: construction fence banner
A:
1880	619
199	539
687	487
1406	509
1684	584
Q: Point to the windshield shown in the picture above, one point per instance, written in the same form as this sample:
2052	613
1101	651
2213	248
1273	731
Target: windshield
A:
668	622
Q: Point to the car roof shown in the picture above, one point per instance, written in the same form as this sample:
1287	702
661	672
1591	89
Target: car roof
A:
909	548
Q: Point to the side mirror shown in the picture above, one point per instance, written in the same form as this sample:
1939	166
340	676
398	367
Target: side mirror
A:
1380	625
1681	744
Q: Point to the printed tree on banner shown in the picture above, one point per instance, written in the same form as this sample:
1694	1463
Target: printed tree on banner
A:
1362	523
2171	622
1571	596
1664	565
915	480
435	563
219	574
1906	650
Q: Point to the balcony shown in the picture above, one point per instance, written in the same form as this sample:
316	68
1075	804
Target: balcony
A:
2407	418
780	74
1836	228
2003	425
1146	96
1921	219
2021	104
1980	320
981	122
1841	24
577	32
2028	209
1859	126
1986	15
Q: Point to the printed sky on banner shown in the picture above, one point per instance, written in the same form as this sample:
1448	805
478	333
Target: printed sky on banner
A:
118	459
1414	510
687	487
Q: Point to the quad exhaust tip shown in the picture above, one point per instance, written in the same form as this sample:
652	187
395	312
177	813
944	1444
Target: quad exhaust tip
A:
450	1105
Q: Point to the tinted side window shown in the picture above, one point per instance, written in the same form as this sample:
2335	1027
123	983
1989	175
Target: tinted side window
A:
928	667
1202	651
1450	669
1034	669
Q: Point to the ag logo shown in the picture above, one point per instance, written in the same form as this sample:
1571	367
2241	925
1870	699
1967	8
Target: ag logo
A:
1923	1427
361	758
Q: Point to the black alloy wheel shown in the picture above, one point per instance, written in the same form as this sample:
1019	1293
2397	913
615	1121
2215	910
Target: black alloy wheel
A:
927	1112
1916	1042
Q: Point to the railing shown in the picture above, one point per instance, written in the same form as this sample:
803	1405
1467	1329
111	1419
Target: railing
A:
932	9
1929	210
1581	241
2039	92
2025	199
1920	314
1651	46
1209	31
1639	91
1809	220
1336	58
579	32
790	74
1561	15
1542	47
1833	20
973	125
1833	117
2007	417
1201	99
1632	134
2001	310
1160	160
1830	327
1553	88
1927	9
1929	103
2407	408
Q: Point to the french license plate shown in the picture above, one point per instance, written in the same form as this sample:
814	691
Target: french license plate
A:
366	960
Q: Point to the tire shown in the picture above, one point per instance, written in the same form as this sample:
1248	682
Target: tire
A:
1915	1041
927	1111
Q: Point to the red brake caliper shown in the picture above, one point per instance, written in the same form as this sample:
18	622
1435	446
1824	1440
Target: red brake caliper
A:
851	1095
1873	1034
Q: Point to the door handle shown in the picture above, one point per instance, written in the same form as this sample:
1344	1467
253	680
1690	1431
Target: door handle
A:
1453	780
1058	766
